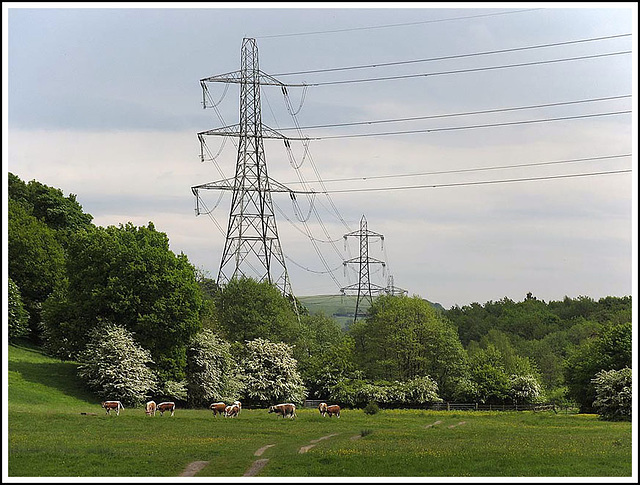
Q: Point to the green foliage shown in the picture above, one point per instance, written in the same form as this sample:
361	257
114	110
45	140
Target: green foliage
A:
613	394
269	373
356	392
324	354
609	350
18	318
129	275
371	408
49	205
115	367
36	261
247	309
211	370
405	337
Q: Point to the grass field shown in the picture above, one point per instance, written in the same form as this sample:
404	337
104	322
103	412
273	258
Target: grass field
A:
49	437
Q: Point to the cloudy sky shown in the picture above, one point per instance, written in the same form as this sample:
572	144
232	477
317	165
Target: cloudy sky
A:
491	146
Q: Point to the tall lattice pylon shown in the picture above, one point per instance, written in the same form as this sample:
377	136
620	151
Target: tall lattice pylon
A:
252	246
364	288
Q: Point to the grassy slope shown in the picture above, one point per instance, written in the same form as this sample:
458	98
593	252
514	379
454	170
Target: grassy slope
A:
48	437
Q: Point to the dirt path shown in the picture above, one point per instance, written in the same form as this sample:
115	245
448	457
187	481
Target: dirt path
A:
304	449
255	468
262	450
193	468
459	424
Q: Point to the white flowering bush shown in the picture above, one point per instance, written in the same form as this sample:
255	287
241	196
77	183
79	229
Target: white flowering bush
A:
115	367
211	370
270	374
613	394
524	389
18	316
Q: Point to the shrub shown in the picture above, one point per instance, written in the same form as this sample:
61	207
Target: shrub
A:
18	316
114	366
210	370
371	408
613	394
269	373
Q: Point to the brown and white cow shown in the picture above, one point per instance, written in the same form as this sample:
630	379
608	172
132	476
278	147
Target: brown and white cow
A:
232	411
109	405
150	408
218	408
333	410
166	406
322	407
286	410
239	404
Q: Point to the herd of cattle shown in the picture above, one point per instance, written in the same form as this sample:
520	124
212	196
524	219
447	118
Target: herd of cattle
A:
286	410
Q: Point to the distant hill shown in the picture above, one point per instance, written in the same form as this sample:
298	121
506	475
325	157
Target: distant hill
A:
339	307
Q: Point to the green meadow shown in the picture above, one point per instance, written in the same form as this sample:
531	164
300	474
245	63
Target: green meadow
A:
55	429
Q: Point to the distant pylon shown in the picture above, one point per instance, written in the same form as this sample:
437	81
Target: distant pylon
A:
252	246
364	288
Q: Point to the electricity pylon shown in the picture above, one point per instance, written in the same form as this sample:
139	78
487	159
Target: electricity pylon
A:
252	246
364	288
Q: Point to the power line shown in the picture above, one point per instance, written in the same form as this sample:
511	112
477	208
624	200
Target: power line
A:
451	115
459	71
457	56
469	127
485	182
396	25
479	169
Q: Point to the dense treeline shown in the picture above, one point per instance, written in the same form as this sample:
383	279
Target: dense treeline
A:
142	322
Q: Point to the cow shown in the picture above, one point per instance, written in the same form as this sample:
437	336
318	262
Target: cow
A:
109	405
218	408
232	411
286	410
322	407
166	406
333	410
239	404
150	408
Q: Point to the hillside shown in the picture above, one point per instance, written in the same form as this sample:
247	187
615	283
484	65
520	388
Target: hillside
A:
36	379
339	307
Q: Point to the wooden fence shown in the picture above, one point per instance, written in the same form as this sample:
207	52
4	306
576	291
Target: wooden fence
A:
451	406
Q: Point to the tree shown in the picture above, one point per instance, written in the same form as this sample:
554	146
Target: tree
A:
36	262
129	275
49	205
247	309
405	337
18	317
269	373
609	350
613	394
115	367
211	370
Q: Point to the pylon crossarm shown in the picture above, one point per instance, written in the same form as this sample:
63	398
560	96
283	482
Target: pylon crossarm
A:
235	77
234	130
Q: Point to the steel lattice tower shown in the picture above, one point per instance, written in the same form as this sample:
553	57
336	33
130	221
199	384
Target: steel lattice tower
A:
364	288
252	246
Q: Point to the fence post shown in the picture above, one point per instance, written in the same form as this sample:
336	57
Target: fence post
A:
476	406
448	406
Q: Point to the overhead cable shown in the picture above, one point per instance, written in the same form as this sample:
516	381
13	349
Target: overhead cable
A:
451	115
459	71
396	25
470	127
456	56
484	182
